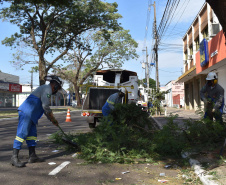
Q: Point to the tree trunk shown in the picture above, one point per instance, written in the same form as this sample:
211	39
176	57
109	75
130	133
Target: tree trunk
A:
77	95
42	69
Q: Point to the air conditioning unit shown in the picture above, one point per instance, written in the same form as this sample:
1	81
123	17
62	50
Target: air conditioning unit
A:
189	57
214	29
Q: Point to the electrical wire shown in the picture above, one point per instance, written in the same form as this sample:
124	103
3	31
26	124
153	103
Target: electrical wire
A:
181	14
170	71
167	17
147	22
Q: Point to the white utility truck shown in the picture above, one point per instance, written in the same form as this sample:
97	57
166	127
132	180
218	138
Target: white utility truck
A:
106	83
143	98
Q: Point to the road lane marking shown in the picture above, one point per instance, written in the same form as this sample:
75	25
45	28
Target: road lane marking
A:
58	168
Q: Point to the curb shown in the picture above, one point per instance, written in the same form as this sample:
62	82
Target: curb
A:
205	179
196	165
156	121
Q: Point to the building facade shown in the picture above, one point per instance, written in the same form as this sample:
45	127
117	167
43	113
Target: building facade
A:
9	88
175	97
204	51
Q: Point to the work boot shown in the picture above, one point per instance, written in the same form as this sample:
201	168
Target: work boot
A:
33	158
15	160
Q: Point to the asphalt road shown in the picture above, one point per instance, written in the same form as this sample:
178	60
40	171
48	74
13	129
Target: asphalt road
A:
38	173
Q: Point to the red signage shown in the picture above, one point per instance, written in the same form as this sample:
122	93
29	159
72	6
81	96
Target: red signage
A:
15	88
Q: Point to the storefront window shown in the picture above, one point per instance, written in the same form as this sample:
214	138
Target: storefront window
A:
1	99
8	100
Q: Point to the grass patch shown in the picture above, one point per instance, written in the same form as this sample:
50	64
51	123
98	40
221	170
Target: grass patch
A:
8	114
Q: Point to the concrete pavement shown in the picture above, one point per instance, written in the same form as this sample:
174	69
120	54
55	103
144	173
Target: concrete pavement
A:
183	115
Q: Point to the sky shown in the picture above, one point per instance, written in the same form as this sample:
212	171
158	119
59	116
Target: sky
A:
137	16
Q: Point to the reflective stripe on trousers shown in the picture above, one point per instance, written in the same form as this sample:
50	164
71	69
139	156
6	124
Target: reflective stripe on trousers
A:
26	130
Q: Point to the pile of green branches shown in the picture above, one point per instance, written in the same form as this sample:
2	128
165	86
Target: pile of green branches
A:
128	135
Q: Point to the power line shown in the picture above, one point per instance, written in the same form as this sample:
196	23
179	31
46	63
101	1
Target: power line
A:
167	18
181	14
147	22
170	71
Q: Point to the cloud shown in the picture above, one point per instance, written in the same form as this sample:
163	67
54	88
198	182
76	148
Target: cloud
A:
142	44
169	60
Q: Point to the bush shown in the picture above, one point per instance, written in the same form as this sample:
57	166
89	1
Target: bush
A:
120	137
204	132
170	141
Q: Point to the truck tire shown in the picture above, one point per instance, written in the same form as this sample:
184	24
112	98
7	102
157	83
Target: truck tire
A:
92	125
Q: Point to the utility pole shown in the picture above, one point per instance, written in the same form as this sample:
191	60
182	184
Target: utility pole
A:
146	68
31	80
156	49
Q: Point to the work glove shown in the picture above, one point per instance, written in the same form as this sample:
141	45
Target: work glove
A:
52	119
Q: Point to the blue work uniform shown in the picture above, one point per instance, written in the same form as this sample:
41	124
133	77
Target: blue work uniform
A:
30	111
214	96
110	103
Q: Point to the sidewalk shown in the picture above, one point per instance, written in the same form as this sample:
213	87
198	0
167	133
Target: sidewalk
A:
220	171
183	115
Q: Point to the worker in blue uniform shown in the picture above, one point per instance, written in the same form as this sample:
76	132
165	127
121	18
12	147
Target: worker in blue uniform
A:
213	96
30	111
112	101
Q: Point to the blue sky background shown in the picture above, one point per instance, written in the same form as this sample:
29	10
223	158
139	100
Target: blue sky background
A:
134	14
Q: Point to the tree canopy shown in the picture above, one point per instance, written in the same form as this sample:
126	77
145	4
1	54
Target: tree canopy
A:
83	62
49	28
152	83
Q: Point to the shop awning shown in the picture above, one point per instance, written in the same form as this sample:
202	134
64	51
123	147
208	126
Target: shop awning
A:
187	75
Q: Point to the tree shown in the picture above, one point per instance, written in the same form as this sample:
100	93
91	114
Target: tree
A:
53	2
152	83
47	28
158	96
112	53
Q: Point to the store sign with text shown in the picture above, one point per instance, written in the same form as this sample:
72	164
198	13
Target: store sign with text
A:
15	88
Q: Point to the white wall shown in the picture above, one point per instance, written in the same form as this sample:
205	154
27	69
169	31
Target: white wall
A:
26	91
168	97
